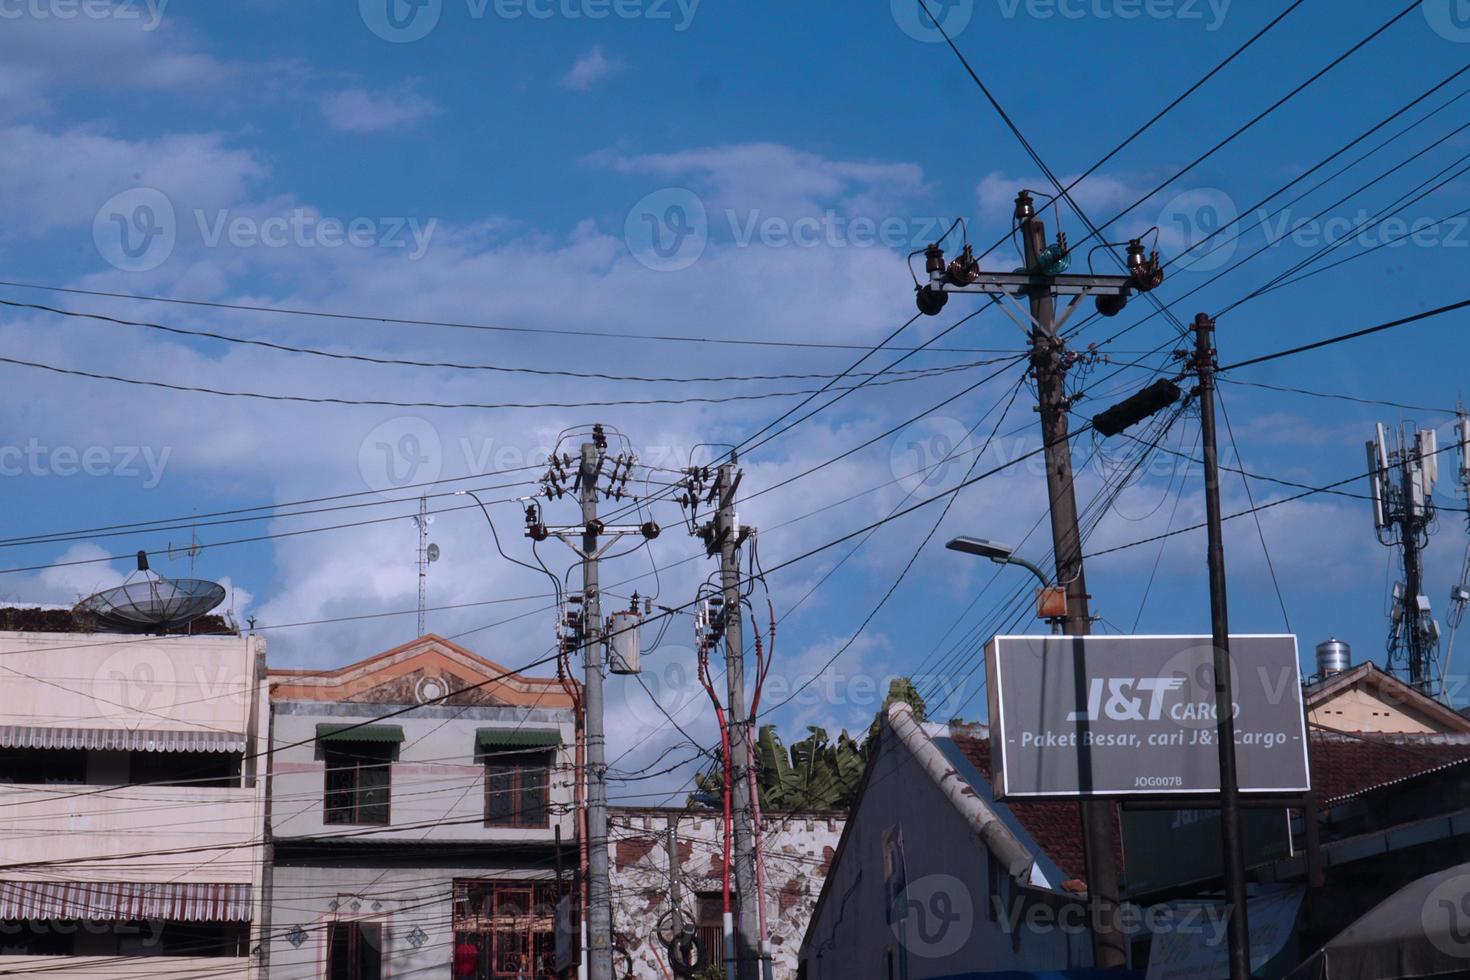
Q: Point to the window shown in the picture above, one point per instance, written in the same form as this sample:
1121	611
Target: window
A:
53	766
354	951
504	930
218	769
69	937
516	789
359	775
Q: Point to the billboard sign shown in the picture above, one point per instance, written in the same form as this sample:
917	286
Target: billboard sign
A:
1078	716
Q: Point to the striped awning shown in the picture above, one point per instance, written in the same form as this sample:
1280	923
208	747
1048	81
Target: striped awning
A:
35	737
516	738
359	733
115	901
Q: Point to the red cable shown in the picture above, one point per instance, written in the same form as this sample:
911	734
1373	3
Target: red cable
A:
725	753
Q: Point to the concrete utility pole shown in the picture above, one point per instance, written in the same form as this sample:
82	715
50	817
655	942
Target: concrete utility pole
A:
599	885
676	900
1050	361
1239	935
728	537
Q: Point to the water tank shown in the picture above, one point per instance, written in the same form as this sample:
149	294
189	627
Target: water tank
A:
622	643
1333	657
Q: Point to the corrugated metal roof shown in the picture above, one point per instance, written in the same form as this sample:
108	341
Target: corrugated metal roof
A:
36	737
359	733
516	738
113	901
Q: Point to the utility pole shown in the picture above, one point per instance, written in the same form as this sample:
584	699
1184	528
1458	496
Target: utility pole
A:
728	536
590	539
599	885
1050	361
1239	934
676	900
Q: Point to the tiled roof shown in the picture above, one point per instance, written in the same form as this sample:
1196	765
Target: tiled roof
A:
1341	766
1345	765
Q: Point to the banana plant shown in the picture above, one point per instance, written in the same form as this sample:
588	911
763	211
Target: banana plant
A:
815	773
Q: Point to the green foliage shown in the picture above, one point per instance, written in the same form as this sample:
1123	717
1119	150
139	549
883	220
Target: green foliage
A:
815	773
900	689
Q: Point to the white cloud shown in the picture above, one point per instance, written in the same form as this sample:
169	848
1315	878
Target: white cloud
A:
780	179
45	56
359	110
193	170
590	69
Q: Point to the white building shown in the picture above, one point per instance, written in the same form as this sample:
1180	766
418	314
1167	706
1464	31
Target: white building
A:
417	801
799	849
132	800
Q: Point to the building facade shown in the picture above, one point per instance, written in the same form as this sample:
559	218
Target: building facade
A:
798	850
418	798
132	799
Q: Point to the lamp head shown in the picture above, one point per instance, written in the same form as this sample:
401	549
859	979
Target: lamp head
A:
998	553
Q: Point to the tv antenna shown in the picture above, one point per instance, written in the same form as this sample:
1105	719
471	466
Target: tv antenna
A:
1403	468
192	550
428	554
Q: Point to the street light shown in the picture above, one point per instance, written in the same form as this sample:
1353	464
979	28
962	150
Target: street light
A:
1002	555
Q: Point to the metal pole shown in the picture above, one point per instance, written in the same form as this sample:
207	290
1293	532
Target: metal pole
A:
268	845
727	531
676	902
1050	360
1413	566
599	890
1235	907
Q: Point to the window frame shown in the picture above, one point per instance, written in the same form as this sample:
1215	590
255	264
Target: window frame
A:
333	815
354	929
487	912
512	764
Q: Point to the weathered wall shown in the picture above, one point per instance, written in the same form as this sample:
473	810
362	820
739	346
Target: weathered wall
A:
798	848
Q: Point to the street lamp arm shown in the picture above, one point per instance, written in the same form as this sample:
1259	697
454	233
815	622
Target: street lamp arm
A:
1033	569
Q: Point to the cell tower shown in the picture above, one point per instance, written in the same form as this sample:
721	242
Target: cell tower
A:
428	554
1460	593
1403	468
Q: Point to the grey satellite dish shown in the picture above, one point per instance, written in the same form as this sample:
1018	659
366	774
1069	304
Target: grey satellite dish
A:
433	552
147	602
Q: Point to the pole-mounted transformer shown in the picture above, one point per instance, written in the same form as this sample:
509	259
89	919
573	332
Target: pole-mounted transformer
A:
1156	397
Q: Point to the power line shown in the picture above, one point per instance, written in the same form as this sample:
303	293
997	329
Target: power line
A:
1340	396
1366	331
451	365
551	331
1265	112
378	402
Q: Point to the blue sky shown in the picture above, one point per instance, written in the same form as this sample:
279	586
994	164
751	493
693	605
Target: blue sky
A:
517	164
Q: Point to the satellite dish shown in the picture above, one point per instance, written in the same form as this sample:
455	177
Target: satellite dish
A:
433	552
147	602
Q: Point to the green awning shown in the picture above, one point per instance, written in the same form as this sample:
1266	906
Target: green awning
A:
516	738
359	733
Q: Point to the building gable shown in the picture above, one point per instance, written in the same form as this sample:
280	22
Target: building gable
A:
421	671
1366	699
